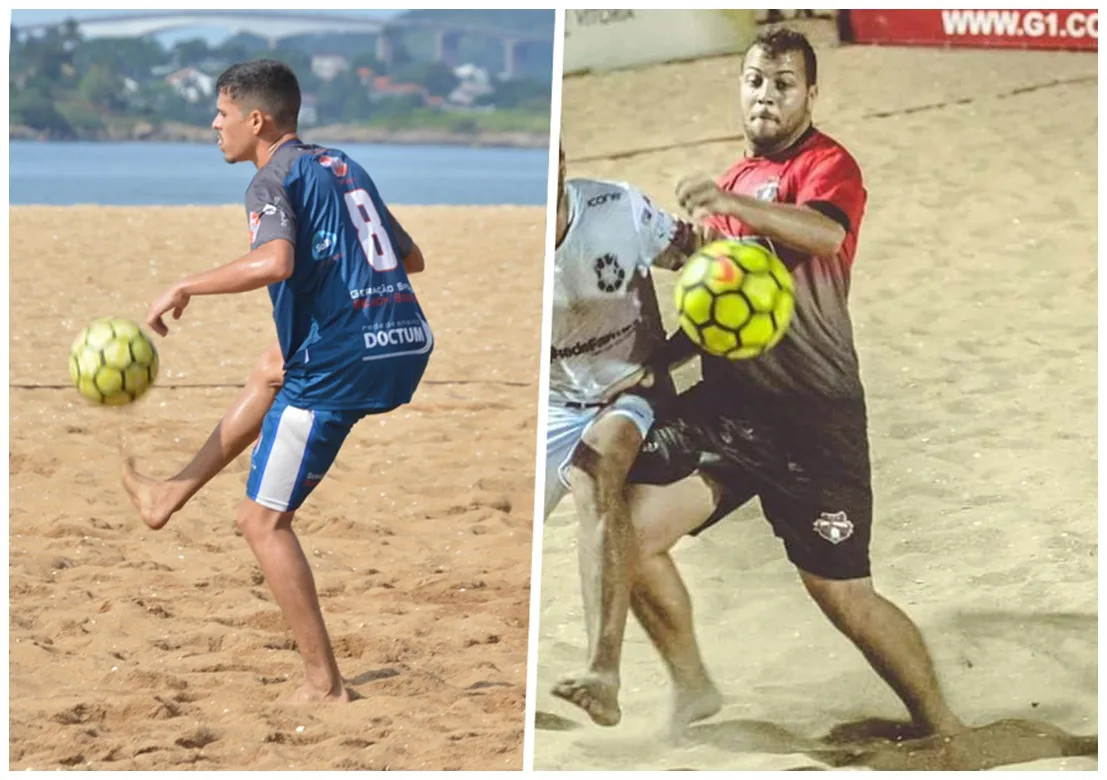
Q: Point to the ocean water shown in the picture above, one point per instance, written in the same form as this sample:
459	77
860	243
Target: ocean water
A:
174	174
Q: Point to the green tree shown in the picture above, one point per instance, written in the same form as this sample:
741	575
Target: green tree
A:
102	87
437	77
131	57
45	56
335	97
357	108
367	59
37	110
191	52
83	119
524	93
237	48
70	33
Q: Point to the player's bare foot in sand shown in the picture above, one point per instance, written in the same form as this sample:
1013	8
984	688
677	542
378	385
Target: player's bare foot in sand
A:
309	694
154	505
597	696
691	705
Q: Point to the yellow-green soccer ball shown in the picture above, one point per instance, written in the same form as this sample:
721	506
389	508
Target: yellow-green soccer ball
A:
735	299
113	362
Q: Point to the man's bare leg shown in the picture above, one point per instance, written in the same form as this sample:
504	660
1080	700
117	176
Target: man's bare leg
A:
157	500
659	598
273	542
660	602
892	644
606	551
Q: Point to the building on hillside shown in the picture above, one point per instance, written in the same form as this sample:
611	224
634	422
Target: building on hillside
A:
191	84
383	88
327	66
473	83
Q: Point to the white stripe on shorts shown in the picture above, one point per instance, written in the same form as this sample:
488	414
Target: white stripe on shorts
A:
566	427
286	456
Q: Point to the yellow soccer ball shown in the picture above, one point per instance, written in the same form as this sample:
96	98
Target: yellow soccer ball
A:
735	299
113	362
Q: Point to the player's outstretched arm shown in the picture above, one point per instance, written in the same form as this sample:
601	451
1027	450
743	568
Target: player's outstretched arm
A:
271	262
413	260
798	227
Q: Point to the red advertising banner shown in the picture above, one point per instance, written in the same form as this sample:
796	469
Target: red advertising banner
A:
1023	29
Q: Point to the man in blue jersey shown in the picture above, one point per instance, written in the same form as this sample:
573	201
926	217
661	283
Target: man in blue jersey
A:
352	339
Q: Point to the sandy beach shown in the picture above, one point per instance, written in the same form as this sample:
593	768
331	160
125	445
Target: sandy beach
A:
134	649
974	303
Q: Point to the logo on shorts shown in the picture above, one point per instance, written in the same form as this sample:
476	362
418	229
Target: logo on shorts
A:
609	276
835	527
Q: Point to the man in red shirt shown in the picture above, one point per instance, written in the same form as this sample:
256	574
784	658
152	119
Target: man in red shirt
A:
790	426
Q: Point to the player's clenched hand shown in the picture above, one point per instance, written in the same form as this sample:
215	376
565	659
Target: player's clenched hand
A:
701	197
174	299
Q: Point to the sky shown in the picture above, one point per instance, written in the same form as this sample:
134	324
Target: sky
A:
213	35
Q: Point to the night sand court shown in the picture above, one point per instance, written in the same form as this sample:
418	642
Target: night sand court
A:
974	306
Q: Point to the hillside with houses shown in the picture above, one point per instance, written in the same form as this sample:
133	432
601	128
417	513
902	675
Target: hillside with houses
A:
65	86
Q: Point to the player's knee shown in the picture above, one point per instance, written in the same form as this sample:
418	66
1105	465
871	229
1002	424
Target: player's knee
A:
608	451
595	475
255	521
269	370
841	600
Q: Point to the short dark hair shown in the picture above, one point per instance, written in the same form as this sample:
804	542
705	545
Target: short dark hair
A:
783	40
267	84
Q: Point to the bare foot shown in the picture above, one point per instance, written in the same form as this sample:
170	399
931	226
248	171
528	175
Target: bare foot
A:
152	506
596	696
695	704
309	694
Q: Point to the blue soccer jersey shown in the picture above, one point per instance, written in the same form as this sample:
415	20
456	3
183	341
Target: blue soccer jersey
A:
350	327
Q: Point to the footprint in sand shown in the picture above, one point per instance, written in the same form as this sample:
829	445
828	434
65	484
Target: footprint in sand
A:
1002	743
548	721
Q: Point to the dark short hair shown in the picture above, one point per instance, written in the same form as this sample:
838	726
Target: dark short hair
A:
783	40
266	84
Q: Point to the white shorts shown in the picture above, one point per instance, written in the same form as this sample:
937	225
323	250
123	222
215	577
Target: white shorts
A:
565	427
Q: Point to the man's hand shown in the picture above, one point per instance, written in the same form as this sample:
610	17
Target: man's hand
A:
689	239
701	197
175	299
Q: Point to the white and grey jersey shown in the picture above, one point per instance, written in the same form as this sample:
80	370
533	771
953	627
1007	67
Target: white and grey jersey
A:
606	323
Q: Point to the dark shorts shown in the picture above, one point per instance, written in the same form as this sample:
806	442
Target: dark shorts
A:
809	469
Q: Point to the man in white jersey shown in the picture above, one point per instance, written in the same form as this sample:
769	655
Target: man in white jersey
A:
603	396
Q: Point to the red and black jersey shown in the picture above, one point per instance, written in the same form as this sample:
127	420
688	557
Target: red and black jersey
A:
816	359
